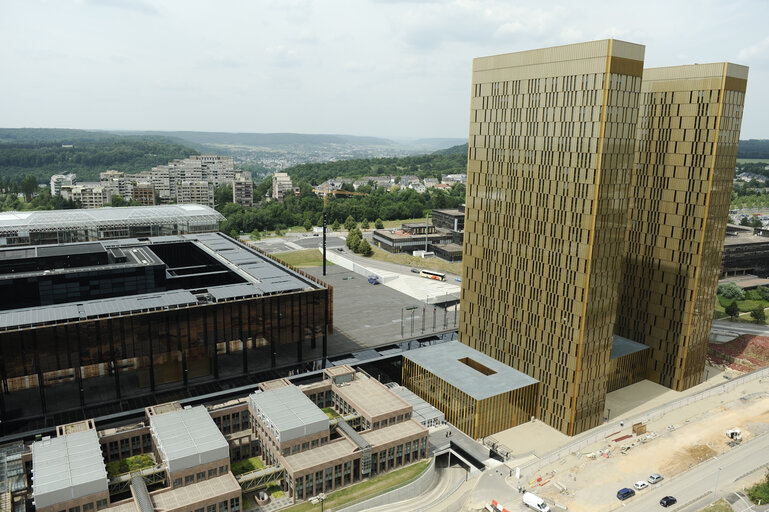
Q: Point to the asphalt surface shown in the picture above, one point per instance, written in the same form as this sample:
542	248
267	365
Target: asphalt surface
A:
700	486
723	325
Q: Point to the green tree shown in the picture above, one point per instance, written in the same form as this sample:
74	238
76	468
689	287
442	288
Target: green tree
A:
234	234
763	292
732	310
29	186
379	224
364	224
364	248
349	223
353	239
308	225
731	291
335	226
256	235
758	315
760	491
744	221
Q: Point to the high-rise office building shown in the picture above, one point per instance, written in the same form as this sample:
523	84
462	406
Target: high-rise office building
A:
550	156
688	131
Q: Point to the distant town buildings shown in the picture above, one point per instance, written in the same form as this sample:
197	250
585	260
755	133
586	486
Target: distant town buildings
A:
180	181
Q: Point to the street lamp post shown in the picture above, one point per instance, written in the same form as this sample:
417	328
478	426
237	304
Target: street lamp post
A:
320	498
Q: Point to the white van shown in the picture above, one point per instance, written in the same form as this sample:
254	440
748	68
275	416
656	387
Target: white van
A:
535	502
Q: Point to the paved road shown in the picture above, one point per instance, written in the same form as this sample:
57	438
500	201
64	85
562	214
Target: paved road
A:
726	325
447	480
694	489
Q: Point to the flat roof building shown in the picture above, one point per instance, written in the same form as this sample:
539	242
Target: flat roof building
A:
69	469
80	225
477	394
114	320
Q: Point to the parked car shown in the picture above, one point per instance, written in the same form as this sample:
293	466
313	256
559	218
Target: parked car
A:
458	279
667	501
625	493
415	271
656	477
340	249
640	485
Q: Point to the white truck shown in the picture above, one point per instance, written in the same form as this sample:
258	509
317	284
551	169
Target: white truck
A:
533	501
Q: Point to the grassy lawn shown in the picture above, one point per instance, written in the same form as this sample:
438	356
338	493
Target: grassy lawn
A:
330	412
413	261
760	491
246	466
275	491
302	259
390	224
366	489
751	302
135	463
719	506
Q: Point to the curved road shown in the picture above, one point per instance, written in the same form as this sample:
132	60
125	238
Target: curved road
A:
448	479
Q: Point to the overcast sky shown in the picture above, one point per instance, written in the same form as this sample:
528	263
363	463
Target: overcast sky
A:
386	68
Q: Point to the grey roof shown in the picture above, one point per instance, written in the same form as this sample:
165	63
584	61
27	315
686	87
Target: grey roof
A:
622	346
66	468
15	318
444	362
50	220
288	413
187	438
422	411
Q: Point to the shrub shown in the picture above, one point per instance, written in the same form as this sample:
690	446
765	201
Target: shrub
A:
731	291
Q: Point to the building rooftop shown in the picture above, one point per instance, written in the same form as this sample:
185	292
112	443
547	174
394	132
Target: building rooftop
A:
422	411
67	467
288	413
187	438
395	432
370	397
468	370
181	497
49	220
244	272
622	346
320	456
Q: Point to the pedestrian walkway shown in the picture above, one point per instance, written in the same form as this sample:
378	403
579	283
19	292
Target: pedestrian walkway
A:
274	505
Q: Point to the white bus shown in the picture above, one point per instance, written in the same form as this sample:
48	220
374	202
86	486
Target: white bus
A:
431	274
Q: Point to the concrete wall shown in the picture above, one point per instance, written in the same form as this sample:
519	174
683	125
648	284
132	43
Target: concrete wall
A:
408	491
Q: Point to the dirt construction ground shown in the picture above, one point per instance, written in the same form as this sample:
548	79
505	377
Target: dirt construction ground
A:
682	438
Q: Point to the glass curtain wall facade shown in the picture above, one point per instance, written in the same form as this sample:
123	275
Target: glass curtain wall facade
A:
550	156
688	131
51	368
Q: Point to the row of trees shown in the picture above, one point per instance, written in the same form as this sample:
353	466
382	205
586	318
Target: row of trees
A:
356	243
307	208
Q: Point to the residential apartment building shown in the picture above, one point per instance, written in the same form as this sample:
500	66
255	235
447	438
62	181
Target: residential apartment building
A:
144	193
243	189
688	131
59	180
215	169
281	183
87	196
552	135
197	192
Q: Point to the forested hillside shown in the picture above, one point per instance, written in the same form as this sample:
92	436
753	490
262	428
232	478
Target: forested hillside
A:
43	152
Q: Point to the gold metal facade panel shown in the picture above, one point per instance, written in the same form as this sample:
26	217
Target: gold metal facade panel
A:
549	163
736	84
476	418
679	201
625	66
